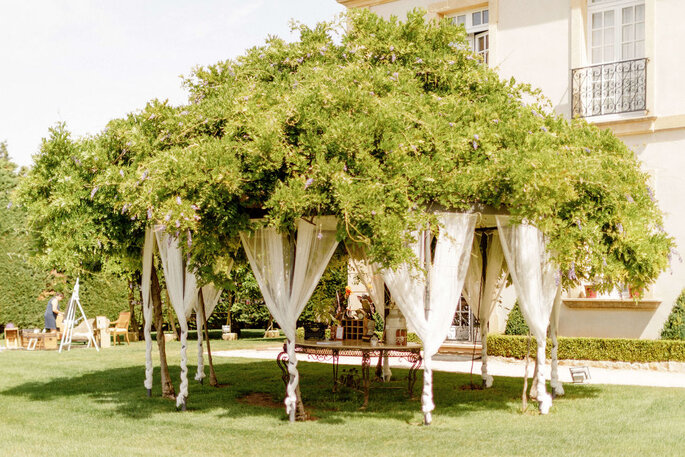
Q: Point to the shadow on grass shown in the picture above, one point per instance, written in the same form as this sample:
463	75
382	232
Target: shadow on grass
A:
121	391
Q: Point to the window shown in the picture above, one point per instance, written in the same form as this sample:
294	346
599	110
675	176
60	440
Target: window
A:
479	18
476	24
481	45
617	30
473	21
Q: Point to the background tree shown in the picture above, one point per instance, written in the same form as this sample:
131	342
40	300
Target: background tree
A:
78	226
25	285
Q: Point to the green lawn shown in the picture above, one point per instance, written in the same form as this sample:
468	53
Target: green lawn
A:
88	403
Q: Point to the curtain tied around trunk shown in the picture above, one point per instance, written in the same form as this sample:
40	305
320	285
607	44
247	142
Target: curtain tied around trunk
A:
288	267
537	283
429	303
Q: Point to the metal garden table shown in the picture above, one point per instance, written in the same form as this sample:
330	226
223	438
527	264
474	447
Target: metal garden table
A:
323	351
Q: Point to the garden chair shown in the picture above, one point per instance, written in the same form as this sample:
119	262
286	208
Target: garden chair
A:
121	327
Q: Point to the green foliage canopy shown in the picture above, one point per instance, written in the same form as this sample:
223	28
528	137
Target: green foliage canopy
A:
381	128
78	227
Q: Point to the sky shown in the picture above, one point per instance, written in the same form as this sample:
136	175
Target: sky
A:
85	62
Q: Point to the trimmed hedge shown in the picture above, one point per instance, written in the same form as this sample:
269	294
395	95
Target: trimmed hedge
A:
610	349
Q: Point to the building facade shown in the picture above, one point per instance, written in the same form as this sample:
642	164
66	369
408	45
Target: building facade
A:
615	63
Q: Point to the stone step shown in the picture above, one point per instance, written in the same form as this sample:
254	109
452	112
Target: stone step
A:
460	347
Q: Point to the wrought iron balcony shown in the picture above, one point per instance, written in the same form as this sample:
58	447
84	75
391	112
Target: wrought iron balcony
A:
619	87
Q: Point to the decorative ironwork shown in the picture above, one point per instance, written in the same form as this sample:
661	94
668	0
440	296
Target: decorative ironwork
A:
410	353
282	362
619	87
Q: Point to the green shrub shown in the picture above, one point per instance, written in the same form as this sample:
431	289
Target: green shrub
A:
674	328
612	349
413	338
516	324
324	302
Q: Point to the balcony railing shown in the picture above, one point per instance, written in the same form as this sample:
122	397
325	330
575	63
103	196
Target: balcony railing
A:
611	88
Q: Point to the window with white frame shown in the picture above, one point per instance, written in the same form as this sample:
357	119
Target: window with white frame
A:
617	30
476	24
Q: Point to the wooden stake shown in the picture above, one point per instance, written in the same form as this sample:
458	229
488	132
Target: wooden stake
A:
155	293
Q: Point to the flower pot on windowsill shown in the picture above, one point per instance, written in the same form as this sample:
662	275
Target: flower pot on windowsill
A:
590	292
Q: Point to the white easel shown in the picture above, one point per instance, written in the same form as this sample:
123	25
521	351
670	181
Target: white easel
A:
70	320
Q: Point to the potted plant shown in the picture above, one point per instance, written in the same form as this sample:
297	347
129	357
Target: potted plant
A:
590	291
636	293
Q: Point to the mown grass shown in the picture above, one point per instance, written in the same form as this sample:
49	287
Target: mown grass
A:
88	403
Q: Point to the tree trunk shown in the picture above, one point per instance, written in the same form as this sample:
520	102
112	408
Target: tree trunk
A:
156	293
172	318
141	328
132	306
212	374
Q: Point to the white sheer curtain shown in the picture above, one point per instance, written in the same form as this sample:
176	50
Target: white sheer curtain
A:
148	253
210	296
482	295
182	287
369	274
445	280
287	272
536	280
554	382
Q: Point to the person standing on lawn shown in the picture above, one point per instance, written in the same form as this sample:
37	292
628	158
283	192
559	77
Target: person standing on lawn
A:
52	311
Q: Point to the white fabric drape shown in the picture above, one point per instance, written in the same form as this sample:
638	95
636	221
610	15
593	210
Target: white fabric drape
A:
445	280
536	281
210	296
370	276
182	287
287	273
148	252
554	382
482	295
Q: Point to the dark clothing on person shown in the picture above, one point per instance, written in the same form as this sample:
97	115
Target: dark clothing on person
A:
50	315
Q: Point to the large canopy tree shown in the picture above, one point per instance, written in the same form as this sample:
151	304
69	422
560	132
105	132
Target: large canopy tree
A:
381	128
393	121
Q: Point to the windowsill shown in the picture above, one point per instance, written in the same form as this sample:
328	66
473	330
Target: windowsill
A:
611	303
619	117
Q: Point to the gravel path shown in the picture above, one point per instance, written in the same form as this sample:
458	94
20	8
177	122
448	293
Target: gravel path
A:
661	375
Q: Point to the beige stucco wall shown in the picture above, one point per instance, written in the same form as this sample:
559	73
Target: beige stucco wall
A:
669	57
533	46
